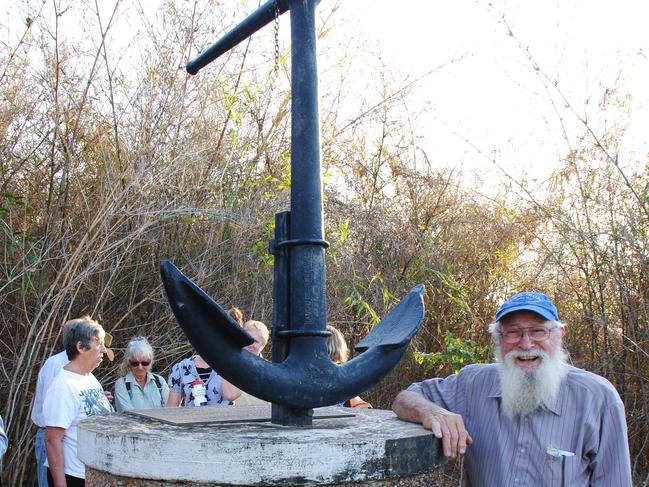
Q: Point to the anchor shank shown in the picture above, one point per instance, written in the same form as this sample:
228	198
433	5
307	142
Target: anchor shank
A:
280	286
251	24
307	277
307	265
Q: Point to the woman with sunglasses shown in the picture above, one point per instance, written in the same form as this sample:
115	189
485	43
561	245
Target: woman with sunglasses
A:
139	388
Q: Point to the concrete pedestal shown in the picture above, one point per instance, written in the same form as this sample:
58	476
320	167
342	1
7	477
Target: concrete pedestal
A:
371	448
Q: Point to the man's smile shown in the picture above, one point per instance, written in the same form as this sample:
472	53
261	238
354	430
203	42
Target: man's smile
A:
526	360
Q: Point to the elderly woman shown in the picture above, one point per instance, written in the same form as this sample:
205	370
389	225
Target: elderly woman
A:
193	382
74	395
139	388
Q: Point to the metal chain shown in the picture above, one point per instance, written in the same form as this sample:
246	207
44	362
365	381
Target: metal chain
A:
276	25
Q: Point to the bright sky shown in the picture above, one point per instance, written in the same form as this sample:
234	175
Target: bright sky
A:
491	101
492	97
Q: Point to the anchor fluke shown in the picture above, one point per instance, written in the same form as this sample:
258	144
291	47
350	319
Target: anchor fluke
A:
197	313
397	328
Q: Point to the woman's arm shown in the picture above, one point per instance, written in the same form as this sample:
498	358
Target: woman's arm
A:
175	386
357	402
55	459
229	391
123	401
173	400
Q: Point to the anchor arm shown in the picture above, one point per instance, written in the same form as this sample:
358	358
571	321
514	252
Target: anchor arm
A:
251	24
193	305
307	378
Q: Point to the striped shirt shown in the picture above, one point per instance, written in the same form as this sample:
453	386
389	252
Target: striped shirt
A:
587	419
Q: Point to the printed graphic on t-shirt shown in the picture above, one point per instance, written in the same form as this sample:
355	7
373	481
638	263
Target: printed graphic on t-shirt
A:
92	402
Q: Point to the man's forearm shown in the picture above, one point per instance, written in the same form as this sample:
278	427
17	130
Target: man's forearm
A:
413	407
449	426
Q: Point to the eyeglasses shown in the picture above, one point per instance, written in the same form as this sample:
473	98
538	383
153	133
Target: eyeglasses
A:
536	334
143	363
106	342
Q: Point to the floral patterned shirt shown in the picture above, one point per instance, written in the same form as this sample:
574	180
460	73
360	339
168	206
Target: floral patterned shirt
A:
180	380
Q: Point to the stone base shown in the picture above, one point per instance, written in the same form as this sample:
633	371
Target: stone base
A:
372	448
95	478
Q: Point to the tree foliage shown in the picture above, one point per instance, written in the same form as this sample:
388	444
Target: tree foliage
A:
112	158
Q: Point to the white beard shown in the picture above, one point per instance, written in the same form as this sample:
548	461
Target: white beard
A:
524	392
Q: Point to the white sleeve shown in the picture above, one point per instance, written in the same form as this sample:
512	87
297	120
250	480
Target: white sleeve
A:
37	406
60	407
3	439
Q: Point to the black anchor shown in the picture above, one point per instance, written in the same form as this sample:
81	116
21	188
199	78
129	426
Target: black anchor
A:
301	375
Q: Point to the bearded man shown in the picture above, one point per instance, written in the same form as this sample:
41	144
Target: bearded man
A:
530	419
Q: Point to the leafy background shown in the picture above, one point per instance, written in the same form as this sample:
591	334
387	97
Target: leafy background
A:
112	158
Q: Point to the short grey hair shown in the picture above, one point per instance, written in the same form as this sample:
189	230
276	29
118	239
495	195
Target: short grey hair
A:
80	330
139	347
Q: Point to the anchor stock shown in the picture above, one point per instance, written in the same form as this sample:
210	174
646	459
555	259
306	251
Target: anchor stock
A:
255	21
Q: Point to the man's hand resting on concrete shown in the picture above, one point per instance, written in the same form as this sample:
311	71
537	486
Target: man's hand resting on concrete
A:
444	424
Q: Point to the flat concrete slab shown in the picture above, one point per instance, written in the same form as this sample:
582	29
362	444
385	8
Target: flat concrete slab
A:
226	414
372	445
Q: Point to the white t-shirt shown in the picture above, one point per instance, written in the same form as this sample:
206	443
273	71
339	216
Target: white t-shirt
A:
71	398
46	375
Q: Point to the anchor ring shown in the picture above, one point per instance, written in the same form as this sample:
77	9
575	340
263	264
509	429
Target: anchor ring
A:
301	241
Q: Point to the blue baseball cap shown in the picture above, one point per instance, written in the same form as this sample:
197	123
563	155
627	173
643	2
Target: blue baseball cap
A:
538	303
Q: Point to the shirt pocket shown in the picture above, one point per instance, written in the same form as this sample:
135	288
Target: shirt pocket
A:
552	471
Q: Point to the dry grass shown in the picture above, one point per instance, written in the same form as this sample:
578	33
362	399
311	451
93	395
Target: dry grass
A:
108	167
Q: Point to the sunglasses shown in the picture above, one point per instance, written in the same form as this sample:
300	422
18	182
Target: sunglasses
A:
143	363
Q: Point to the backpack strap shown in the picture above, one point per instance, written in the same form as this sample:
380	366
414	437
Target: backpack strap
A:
156	378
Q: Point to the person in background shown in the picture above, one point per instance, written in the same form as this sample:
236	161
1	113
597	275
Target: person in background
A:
339	354
531	418
139	388
46	375
4	443
259	332
75	394
194	374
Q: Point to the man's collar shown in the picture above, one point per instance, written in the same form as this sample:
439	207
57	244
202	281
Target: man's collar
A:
555	405
496	390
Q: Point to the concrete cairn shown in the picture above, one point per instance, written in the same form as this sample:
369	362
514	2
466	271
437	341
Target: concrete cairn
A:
364	447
